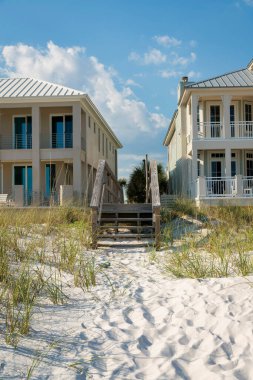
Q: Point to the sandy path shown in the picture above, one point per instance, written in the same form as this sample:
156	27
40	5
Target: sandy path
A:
142	326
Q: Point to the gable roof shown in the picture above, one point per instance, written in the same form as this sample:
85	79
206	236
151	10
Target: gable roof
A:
29	87
239	78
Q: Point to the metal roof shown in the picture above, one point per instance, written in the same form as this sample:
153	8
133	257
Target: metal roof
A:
29	87
239	78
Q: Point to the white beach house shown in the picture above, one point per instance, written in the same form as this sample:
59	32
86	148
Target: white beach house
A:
51	138
210	140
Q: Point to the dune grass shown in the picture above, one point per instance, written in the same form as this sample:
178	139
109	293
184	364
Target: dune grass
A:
226	249
36	247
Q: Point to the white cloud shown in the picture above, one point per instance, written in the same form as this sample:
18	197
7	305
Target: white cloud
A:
169	74
194	74
167	41
128	116
152	57
193	43
248	2
183	61
131	82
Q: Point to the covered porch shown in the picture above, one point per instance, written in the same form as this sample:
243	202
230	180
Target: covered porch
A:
226	173
16	181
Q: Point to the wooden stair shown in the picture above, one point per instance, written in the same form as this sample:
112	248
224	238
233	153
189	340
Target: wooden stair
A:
114	221
125	222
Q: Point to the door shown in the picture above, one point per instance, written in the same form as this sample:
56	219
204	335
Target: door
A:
248	119
50	179
249	167
68	131
23	177
57	132
218	186
22	132
215	119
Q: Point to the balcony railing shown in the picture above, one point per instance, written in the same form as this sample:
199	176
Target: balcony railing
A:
207	130
215	187
242	129
62	140
18	141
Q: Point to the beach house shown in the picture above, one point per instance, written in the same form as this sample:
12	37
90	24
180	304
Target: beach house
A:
210	140
51	139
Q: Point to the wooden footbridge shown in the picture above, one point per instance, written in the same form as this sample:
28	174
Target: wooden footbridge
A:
114	221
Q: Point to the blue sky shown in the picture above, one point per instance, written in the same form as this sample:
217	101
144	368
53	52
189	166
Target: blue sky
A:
128	55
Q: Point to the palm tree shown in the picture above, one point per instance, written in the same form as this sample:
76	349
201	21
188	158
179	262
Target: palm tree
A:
136	187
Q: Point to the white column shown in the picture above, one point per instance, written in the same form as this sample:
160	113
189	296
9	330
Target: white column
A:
77	167
228	162
36	153
194	106
202	187
194	171
226	100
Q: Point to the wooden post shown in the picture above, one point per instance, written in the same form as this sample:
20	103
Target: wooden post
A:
157	218
94	227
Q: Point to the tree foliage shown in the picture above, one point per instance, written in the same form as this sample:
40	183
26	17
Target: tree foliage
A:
136	187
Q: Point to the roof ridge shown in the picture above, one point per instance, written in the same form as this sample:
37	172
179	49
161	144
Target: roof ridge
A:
217	76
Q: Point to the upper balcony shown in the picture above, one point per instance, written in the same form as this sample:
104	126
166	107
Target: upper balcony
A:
238	130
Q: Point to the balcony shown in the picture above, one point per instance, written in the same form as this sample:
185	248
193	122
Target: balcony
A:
224	187
240	129
208	130
57	141
18	141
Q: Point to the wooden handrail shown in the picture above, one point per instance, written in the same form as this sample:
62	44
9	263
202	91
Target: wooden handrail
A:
154	193
106	190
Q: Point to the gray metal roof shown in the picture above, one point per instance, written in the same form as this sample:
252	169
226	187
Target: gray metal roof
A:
29	87
240	78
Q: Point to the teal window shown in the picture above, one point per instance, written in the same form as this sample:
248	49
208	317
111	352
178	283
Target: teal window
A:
23	177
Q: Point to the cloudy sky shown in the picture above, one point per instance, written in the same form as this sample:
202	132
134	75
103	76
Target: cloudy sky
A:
128	55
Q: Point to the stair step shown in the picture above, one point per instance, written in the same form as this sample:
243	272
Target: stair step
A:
125	227
124	236
125	219
127	208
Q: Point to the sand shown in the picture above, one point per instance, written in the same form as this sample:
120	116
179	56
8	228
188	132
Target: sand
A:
139	325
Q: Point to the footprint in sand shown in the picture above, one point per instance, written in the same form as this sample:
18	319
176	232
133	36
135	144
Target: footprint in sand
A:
183	340
143	343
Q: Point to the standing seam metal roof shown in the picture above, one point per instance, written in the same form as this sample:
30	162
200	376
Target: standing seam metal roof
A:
239	78
29	87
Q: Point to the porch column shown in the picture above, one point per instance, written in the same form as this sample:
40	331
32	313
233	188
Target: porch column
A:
194	109
226	100
194	171
36	186
77	167
228	162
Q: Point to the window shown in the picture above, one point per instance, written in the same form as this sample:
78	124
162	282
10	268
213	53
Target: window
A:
94	127
89	121
232	120
103	145
217	155
99	139
62	131
106	147
23	176
22	132
110	146
233	168
248	112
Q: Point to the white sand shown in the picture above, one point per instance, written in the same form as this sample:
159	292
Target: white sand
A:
142	326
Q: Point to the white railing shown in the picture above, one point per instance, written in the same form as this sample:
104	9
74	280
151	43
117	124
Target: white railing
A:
220	186
209	130
18	141
242	129
247	186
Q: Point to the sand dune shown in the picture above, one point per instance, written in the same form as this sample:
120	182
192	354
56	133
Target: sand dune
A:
141	325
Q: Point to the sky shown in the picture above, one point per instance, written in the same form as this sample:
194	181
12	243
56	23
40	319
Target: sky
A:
128	55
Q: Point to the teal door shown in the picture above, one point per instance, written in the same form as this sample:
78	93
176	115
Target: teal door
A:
23	132
50	180
23	176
